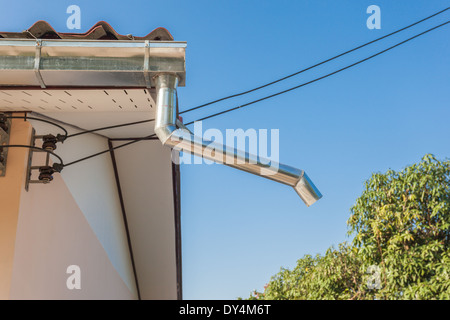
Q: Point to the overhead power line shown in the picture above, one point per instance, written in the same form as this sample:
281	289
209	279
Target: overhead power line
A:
118	147
322	77
66	135
266	97
108	150
109	127
313	66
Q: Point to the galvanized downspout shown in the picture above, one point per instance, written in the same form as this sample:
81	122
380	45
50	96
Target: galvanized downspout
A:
173	134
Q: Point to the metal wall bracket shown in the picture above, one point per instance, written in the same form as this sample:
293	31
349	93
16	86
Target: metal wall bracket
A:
31	168
37	63
5	130
30	160
147	64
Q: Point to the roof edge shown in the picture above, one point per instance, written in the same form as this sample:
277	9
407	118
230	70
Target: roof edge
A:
102	30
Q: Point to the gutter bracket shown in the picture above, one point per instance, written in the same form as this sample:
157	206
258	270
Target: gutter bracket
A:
147	64
37	62
180	125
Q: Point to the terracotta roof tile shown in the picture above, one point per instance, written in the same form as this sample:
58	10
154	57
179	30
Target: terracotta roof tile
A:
100	31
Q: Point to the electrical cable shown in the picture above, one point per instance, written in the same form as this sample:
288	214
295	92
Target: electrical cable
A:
34	148
120	146
320	78
38	119
108	150
80	133
267	97
109	127
313	66
261	99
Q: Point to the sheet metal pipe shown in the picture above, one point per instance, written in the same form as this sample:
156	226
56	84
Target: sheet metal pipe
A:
180	138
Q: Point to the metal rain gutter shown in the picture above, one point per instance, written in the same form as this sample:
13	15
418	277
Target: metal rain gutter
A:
173	134
88	63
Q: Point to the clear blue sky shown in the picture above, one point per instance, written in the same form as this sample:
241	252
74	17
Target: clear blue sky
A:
239	229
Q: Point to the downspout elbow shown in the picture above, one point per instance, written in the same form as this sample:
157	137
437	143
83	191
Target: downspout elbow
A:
164	133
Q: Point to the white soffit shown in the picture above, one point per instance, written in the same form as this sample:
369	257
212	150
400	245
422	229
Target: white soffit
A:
87	108
76	100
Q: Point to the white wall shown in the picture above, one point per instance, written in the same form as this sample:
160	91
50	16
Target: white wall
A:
145	172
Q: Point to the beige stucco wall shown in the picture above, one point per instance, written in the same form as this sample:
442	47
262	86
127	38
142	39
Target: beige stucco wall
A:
11	189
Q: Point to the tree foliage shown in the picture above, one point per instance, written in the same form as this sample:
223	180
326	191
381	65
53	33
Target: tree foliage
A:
400	248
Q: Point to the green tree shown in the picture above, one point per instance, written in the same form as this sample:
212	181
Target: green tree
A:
400	248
